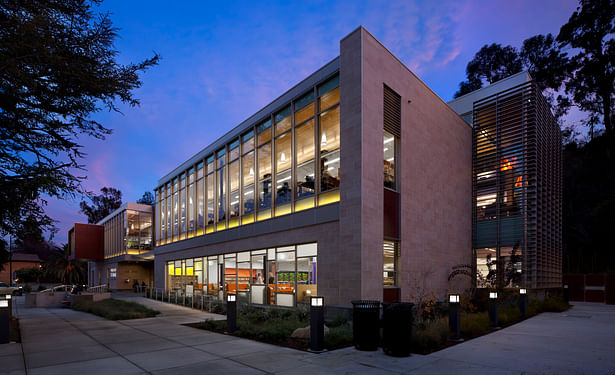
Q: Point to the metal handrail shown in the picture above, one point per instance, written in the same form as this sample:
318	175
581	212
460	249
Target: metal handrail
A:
58	288
98	288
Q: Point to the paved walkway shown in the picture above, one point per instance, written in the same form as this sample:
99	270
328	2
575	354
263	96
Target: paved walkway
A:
63	341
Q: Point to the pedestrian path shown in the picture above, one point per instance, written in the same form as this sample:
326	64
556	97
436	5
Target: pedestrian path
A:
63	341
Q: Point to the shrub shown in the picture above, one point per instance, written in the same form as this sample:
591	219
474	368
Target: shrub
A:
115	309
474	324
339	336
429	335
40	288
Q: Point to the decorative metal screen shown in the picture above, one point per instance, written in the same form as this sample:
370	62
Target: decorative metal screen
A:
517	190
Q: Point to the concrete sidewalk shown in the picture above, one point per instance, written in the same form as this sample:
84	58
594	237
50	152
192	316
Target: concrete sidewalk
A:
63	341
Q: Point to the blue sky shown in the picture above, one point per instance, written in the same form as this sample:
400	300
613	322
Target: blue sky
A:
223	61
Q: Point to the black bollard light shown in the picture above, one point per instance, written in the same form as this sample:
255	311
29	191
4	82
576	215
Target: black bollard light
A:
317	324
493	309
231	313
523	302
4	321
454	317
9	298
565	293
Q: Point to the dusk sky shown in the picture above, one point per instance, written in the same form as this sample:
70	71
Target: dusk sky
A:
221	62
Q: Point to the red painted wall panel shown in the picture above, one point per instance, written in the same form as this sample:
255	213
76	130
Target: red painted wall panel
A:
89	241
391	214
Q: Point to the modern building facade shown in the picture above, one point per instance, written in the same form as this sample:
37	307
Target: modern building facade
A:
517	185
354	184
357	183
119	247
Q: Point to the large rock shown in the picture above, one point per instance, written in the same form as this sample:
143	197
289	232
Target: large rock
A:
304	333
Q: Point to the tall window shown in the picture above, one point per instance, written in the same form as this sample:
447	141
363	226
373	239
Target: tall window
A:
159	216
221	188
169	210
210	194
190	200
247	174
182	184
200	193
329	139
330	149
175	209
389	160
305	151
264	171
282	120
283	183
390	263
234	184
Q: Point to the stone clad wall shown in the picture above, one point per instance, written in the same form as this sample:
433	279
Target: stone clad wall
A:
434	174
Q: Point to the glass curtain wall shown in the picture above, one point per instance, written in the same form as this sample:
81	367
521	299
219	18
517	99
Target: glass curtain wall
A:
294	155
282	276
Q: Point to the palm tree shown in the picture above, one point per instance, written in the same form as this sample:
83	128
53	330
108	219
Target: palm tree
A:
64	269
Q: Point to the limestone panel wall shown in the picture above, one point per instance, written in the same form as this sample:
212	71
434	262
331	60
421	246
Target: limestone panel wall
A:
434	175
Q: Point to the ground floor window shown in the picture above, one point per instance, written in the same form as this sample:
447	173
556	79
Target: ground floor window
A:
390	262
282	276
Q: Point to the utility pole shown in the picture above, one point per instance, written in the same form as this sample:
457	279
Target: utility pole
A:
10	261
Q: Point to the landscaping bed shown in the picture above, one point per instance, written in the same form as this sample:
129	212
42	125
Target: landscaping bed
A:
275	326
115	309
430	332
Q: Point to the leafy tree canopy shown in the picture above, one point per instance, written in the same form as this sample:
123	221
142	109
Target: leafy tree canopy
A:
102	205
147	198
57	67
590	31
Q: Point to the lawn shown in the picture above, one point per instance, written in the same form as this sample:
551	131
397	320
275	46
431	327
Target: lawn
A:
115	309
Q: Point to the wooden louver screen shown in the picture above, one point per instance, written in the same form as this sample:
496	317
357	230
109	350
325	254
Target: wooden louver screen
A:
392	111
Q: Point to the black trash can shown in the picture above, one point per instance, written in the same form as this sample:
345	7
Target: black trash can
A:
396	329
366	324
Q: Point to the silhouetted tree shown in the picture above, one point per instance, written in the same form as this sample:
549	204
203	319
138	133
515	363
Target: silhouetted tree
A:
62	268
491	63
590	31
102	205
57	67
147	198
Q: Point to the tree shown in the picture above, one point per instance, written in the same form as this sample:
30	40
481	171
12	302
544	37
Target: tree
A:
62	268
147	198
590	31
28	275
57	67
545	61
491	63
102	205
540	55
